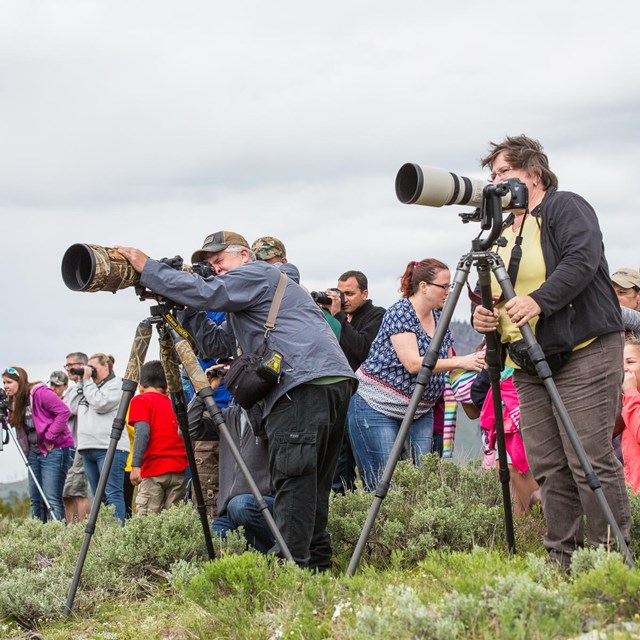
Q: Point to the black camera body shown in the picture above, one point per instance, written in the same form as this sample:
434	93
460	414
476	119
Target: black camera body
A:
79	371
321	297
203	269
4	403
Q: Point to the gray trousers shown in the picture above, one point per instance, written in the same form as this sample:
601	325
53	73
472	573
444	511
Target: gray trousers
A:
590	387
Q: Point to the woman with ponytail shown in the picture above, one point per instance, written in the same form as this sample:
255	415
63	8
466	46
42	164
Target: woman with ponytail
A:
388	375
40	420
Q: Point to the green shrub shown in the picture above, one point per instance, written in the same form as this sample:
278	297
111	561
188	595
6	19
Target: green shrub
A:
37	560
603	580
439	505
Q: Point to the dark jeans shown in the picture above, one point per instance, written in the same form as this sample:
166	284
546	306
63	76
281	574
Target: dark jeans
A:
50	472
589	385
344	479
242	511
304	431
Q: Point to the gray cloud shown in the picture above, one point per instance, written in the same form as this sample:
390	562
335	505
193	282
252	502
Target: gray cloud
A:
154	123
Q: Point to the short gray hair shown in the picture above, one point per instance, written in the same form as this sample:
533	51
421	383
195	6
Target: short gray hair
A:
238	248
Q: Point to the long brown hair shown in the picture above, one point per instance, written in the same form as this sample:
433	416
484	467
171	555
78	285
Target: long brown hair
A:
22	399
416	272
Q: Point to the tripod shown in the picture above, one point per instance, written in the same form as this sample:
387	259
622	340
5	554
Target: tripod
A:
485	260
7	427
174	349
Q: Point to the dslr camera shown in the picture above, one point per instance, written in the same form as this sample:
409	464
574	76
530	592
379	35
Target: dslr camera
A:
4	403
321	297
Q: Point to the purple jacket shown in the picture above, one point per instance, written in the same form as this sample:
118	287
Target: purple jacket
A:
50	415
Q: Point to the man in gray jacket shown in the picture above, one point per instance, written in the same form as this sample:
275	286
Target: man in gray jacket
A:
305	412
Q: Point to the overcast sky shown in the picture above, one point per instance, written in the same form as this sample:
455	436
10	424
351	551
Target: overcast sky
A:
155	123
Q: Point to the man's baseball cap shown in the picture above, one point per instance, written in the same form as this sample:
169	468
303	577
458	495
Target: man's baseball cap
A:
218	241
58	378
627	278
268	247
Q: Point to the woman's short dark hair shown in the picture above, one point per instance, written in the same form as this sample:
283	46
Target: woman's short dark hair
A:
525	153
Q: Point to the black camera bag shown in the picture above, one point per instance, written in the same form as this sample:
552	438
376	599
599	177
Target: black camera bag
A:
520	356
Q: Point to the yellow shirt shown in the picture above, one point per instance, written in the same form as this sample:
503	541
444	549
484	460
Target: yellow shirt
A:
531	273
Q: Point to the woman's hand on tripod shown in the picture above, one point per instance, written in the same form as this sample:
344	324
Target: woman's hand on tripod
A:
485	320
521	309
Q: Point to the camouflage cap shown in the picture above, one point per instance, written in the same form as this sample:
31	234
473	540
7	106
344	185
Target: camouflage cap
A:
218	241
58	378
268	247
627	278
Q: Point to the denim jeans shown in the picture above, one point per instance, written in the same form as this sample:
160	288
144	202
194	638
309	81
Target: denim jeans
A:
589	385
50	472
242	511
93	460
373	436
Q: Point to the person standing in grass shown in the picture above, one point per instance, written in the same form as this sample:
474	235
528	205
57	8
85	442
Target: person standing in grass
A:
159	457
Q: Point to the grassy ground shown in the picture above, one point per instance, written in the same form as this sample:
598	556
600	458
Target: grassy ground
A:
435	567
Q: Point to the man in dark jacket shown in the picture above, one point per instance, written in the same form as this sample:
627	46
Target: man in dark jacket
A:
236	505
359	320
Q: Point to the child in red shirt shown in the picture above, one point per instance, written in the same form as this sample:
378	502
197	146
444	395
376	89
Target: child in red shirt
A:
159	458
631	414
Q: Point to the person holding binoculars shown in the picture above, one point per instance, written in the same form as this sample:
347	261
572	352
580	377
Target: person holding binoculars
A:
100	391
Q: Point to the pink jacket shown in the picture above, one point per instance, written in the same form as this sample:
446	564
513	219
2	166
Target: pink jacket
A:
631	438
511	419
50	415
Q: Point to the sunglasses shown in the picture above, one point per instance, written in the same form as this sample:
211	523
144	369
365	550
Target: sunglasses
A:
12	372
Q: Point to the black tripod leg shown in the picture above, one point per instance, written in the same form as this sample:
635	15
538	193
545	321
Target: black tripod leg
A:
494	365
428	363
172	372
10	433
200	384
129	386
544	373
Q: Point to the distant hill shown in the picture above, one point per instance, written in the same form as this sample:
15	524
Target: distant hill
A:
466	337
10	489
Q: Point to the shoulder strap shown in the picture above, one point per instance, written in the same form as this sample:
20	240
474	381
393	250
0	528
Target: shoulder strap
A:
275	305
516	256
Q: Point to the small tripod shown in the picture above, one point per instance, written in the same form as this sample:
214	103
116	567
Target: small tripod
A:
175	348
485	260
9	430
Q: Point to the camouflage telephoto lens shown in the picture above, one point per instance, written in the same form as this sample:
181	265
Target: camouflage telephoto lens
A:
92	267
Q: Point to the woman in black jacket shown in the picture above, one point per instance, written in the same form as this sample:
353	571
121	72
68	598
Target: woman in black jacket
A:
564	292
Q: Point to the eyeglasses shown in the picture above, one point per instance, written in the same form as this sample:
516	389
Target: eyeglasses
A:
500	173
73	364
12	372
444	287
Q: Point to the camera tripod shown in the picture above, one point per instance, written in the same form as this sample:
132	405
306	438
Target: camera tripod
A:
9	430
486	260
175	348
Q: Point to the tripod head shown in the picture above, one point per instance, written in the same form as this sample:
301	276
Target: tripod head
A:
490	215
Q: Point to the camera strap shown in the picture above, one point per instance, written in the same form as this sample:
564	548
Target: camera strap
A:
270	324
516	255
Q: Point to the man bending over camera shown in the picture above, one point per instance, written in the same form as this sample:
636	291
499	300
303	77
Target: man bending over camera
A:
305	412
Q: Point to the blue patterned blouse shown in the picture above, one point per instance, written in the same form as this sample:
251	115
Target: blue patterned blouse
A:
385	384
